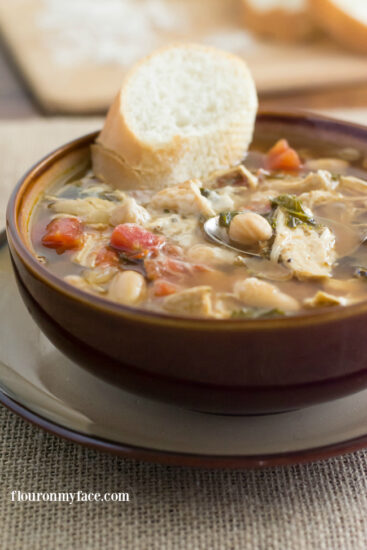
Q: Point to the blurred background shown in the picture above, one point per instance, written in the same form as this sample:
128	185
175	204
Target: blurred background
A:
68	57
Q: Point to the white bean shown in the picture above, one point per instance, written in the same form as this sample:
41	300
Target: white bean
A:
210	254
249	228
256	293
127	287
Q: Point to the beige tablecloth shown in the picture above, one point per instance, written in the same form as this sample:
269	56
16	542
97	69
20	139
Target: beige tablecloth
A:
22	143
321	506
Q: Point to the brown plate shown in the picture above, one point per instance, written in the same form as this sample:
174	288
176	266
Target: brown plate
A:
40	384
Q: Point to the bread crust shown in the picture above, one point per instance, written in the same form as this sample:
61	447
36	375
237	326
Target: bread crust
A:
347	30
279	23
177	160
111	168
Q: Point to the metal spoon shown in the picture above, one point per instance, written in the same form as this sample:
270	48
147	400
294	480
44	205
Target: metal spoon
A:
347	240
218	234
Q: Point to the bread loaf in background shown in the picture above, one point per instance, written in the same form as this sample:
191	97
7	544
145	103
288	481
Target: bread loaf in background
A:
183	112
344	20
287	20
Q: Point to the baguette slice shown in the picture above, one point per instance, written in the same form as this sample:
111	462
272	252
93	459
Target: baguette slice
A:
286	20
111	168
345	20
182	113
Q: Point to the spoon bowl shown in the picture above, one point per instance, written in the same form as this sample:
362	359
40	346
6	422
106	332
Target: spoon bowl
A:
219	235
347	239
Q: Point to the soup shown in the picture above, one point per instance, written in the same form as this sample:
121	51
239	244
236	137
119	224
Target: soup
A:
304	217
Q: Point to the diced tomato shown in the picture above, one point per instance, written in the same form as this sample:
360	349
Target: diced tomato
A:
169	267
279	148
164	288
282	157
107	256
63	234
135	240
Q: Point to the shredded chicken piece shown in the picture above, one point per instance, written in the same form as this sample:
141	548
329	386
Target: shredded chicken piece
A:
100	275
308	252
353	184
129	212
86	256
91	210
225	303
78	282
322	179
264	269
196	301
237	175
181	231
319	196
184	198
323	299
221	200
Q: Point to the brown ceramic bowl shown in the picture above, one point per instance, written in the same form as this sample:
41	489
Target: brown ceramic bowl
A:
221	366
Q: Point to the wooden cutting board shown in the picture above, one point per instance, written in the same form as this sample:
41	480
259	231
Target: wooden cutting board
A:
74	53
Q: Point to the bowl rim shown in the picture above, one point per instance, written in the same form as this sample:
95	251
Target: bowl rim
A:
312	120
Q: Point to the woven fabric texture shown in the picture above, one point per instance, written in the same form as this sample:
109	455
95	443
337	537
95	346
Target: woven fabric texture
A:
321	506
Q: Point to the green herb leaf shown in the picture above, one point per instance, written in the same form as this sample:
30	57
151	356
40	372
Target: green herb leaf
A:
292	221
296	215
225	218
205	192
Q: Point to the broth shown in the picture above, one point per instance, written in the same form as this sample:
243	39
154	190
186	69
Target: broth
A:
147	249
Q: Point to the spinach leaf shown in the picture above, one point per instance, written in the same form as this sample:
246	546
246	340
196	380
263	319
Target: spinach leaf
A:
205	192
225	218
296	215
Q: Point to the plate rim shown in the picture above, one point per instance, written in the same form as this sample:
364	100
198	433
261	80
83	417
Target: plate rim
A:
179	458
